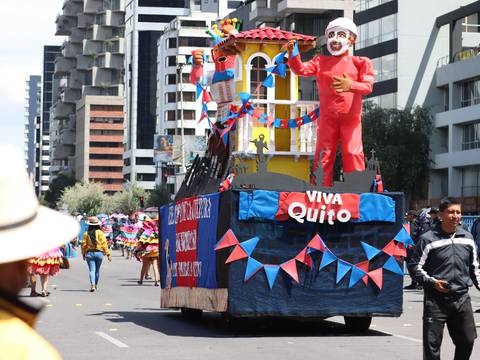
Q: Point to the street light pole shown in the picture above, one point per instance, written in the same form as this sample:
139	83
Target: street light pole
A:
180	64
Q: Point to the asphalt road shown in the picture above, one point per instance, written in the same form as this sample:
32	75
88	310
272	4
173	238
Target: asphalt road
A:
123	321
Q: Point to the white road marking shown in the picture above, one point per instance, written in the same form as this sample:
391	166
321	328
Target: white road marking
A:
403	337
111	339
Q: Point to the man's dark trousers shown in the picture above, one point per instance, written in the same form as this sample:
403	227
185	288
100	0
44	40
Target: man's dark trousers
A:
456	312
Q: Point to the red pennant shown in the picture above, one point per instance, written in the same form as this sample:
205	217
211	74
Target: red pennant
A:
407	227
237	254
206	97
290	267
227	240
364	267
317	243
270	121
390	248
304	258
400	250
256	113
377	277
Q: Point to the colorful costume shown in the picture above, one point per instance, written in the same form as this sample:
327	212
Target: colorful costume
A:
46	264
340	113
148	241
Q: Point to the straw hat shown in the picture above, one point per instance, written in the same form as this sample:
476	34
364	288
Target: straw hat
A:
93	220
26	228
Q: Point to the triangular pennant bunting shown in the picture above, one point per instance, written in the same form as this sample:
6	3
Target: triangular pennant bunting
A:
370	251
364	265
268	82
327	259
295	51
253	266
390	248
227	240
290	267
377	277
249	245
404	237
271	272
392	265
237	254
304	258
317	243
355	276
198	91
400	250
342	269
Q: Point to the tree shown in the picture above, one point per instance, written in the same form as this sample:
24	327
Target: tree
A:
85	198
401	139
56	188
128	200
159	196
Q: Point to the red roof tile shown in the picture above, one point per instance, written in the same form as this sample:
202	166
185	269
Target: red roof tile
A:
268	33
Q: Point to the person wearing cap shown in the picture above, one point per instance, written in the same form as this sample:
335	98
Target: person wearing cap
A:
94	247
342	80
27	229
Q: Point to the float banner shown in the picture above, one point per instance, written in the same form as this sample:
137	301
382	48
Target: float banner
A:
316	206
188	236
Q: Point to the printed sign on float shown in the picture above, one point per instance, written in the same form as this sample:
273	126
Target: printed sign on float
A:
188	237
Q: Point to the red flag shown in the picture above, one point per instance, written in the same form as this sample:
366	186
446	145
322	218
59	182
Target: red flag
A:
377	277
390	248
237	254
206	96
227	240
304	258
317	243
290	267
364	267
400	250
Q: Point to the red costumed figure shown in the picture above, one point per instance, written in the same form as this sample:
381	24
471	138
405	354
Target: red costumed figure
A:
342	81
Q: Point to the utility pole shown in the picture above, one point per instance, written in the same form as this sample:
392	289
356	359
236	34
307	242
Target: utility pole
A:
180	64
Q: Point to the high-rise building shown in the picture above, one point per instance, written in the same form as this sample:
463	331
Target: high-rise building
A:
144	24
32	130
90	65
49	95
455	98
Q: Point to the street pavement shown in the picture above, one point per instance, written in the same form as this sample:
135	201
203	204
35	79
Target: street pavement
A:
123	320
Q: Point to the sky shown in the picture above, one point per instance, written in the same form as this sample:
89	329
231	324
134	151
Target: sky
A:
26	26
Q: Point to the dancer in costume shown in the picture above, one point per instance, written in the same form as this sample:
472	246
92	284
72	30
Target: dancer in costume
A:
45	265
147	250
129	238
94	247
342	80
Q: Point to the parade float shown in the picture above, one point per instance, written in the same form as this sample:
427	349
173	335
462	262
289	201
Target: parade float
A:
252	231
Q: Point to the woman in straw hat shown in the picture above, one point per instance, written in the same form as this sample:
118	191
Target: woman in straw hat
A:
26	230
94	247
147	250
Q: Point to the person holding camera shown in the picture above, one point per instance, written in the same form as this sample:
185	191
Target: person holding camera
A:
445	263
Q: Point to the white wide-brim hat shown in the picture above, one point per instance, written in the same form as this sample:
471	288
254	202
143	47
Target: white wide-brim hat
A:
27	229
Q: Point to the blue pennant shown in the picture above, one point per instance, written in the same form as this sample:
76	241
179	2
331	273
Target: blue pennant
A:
271	271
306	119
370	251
198	91
280	70
277	123
317	112
279	58
356	276
295	51
342	269
190	60
244	97
404	237
268	82
270	69
204	57
249	245
327	259
204	107
292	123
393	266
252	267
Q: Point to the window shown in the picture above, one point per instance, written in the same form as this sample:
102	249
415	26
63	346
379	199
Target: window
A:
187	114
170	131
144	161
106	157
185	78
105	144
385	67
194	41
193	23
377	31
188	131
171	61
257	75
471	137
156	18
187	96
446	98
470	92
471	181
172	43
471	23
163	3
145	177
170	97
362	5
170	115
170	79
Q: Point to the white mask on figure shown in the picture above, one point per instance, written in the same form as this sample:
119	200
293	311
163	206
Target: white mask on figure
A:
337	39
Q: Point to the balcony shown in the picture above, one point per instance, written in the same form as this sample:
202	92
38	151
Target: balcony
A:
84	62
106	162
116	46
77	35
70	95
109	61
67	137
100	32
112	187
107	138
63	66
308	6
72	8
84	21
91	47
64	24
110	18
62	152
92	6
114	90
259	12
106	150
63	110
103	77
71	50
106	174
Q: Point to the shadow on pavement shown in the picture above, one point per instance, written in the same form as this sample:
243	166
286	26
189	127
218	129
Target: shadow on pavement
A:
173	323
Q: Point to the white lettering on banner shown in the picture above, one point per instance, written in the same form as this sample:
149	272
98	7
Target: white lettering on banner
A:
189	210
187	269
186	241
300	212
